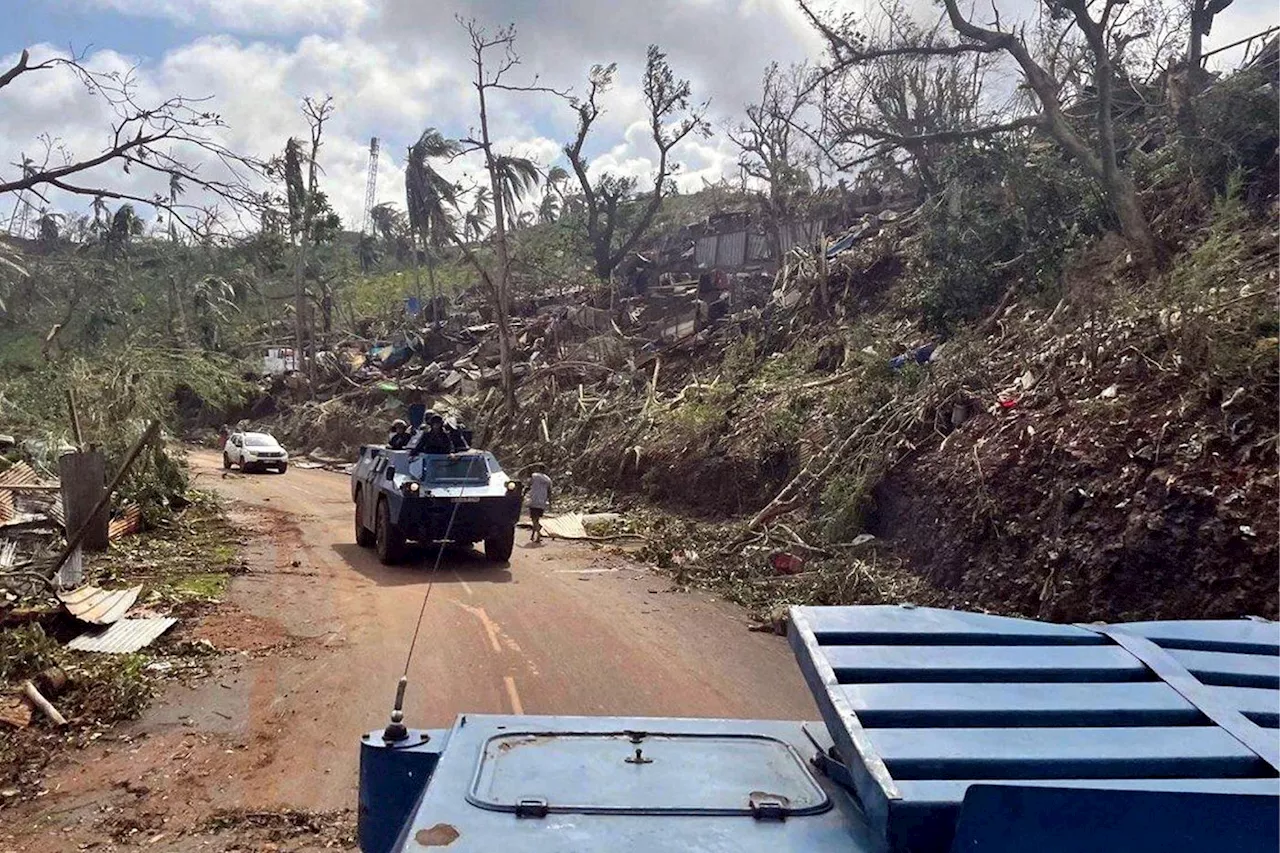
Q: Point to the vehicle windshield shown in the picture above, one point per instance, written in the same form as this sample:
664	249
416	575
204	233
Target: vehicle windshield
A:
473	468
259	439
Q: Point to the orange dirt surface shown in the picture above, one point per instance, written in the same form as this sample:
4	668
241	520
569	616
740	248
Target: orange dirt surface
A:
262	755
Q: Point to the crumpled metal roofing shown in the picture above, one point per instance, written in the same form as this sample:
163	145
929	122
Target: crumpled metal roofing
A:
125	636
130	521
20	474
99	606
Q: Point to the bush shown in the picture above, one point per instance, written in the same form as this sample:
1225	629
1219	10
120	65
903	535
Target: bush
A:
1235	134
985	234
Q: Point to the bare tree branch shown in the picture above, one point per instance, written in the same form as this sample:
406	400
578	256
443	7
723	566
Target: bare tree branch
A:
672	118
141	136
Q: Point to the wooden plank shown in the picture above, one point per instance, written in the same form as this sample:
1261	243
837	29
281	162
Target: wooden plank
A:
903	663
1065	753
1019	705
84	477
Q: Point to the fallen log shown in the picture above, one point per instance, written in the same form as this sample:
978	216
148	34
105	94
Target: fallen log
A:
38	700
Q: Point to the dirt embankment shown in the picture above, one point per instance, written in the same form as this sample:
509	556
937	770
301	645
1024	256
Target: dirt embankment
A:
1113	457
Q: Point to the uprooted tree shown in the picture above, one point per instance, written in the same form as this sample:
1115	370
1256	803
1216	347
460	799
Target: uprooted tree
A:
613	230
1104	29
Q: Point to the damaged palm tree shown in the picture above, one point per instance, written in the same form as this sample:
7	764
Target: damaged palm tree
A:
430	198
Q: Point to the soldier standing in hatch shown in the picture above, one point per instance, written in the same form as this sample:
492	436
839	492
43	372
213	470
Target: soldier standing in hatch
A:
399	437
539	500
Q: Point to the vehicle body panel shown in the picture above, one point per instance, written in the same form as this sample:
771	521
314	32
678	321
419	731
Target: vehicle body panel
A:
255	450
463	509
942	732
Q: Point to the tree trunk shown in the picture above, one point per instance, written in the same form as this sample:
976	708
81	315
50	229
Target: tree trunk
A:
417	275
501	288
435	290
1123	196
300	302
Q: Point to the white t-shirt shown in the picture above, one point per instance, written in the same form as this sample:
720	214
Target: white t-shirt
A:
539	491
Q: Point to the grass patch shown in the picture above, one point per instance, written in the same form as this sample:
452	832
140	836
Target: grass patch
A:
188	557
211	586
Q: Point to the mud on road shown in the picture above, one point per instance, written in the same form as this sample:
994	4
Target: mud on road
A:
262	754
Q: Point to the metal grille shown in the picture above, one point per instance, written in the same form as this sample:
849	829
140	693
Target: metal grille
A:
924	703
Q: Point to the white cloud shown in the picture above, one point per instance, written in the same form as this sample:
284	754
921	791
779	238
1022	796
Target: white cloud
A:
249	16
397	66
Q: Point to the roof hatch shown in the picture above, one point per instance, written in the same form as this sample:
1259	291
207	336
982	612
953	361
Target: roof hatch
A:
535	773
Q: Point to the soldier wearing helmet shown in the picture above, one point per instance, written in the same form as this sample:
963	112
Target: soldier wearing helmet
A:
399	437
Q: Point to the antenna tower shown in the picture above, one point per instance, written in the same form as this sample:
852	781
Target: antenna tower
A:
371	185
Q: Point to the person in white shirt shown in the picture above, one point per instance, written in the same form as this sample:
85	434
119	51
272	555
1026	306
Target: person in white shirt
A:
539	500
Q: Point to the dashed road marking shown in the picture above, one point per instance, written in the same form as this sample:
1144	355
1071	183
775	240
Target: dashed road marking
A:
490	627
516	707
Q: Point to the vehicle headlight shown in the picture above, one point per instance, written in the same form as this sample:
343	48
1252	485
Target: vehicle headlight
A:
511	485
410	488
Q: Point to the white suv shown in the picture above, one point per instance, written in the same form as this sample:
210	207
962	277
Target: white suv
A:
252	450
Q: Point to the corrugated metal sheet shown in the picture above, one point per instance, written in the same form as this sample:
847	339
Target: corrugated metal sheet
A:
125	636
130	521
8	554
731	251
19	474
99	606
800	234
758	248
72	572
923	703
704	252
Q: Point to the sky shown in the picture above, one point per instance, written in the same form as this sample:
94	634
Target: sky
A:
397	66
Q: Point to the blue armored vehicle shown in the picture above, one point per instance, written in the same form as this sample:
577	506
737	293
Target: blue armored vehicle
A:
435	489
941	732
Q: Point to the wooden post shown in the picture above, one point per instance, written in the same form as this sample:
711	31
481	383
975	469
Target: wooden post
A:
75	418
74	540
84	478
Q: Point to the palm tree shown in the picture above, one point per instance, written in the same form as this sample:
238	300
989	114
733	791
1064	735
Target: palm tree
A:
125	225
101	213
49	227
476	221
212	297
517	177
429	198
553	198
388	221
549	208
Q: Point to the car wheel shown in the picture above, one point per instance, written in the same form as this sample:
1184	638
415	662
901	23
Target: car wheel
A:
364	536
226	462
388	541
497	548
282	467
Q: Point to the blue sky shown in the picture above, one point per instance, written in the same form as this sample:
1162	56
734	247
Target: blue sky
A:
396	66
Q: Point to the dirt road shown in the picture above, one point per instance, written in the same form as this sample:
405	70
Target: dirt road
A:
320	632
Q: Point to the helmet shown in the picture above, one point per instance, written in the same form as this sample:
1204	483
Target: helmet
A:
399	423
